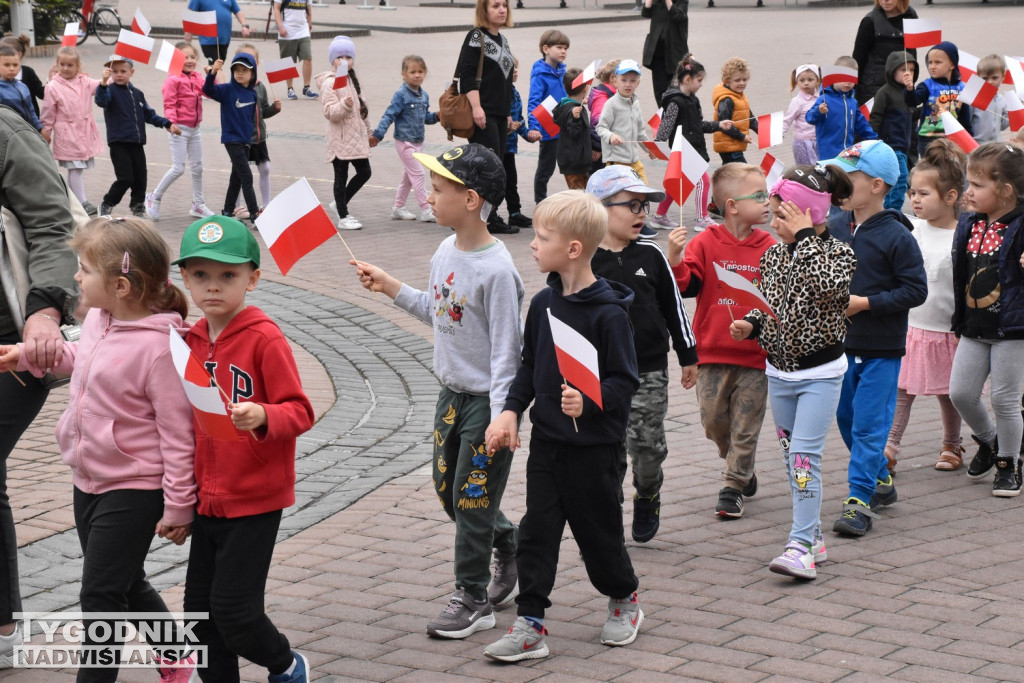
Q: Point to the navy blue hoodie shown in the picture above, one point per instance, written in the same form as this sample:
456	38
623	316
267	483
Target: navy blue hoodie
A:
239	104
126	113
599	313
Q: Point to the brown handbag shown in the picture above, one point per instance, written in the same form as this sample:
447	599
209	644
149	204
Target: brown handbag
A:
455	111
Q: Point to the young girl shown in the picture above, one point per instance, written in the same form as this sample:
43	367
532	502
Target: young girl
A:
27	74
183	104
127	431
410	110
348	135
936	186
805	80
681	110
806	280
988	313
68	122
259	153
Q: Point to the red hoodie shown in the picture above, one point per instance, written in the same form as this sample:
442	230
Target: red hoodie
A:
254	473
696	277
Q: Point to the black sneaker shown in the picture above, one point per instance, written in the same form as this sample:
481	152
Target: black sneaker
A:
984	459
90	210
855	520
520	220
730	503
750	490
646	517
497	226
105	209
139	211
648	231
714	210
1007	481
885	494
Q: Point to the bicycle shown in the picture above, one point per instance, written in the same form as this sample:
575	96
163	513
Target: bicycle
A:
104	23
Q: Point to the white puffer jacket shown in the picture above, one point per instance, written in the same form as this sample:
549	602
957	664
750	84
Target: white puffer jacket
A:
348	135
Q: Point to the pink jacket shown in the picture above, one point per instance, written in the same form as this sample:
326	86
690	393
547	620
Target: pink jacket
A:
128	424
794	117
183	99
348	135
67	111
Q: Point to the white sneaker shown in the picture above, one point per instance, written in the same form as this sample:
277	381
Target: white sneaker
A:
796	561
818	549
703	224
7	645
427	216
349	223
200	211
334	206
400	213
152	207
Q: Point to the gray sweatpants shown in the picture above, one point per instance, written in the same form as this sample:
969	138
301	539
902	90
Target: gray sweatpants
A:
977	360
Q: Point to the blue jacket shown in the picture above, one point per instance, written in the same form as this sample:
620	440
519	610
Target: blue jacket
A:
126	113
842	126
939	95
1010	281
512	144
239	105
890	273
544	80
409	110
15	95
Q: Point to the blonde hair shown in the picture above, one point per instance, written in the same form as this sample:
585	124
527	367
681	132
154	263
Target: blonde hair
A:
848	62
480	19
725	179
251	49
793	76
733	66
991	64
69	51
409	60
575	215
186	45
607	71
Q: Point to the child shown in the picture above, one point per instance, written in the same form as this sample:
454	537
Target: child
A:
348	133
893	120
622	126
259	154
732	390
183	104
126	113
27	74
68	122
837	120
244	483
936	187
127	432
939	93
516	129
575	146
988	123
805	81
475	306
410	110
731	104
237	123
656	315
601	92
806	281
546	79
988	315
682	112
561	486
888	282
13	92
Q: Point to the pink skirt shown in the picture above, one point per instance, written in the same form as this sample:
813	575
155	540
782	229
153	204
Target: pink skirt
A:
926	367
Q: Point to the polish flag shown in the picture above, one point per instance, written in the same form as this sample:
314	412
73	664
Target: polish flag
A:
294	224
134	46
865	108
655	121
685	169
978	92
70	38
577	359
543	114
772	169
659	149
968	65
830	75
341	75
281	70
589	74
742	291
769	130
139	23
1014	110
955	132
199	23
207	402
170	59
921	33
1014	74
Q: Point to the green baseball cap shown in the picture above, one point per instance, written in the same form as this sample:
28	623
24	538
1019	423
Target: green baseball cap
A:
219	238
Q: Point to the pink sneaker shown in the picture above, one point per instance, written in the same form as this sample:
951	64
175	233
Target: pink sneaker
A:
181	671
702	224
796	561
663	222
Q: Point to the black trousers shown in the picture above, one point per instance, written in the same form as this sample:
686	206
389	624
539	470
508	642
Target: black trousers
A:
214	51
493	136
345	189
579	486
241	179
546	159
227	577
512	201
129	160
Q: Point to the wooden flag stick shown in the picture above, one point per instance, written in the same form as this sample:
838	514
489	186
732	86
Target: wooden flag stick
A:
731	316
574	425
15	376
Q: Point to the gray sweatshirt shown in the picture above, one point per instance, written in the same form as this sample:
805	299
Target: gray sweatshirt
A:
474	300
621	117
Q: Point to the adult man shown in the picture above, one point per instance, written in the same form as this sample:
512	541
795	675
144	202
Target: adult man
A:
294	20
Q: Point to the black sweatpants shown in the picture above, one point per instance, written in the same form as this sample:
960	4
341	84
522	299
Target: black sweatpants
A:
493	136
345	189
129	160
578	485
512	201
241	179
547	157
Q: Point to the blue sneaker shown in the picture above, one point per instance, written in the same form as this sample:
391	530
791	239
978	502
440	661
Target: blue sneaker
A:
291	94
884	495
648	231
855	520
311	94
300	674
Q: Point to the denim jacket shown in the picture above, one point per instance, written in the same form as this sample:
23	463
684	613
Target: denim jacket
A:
409	110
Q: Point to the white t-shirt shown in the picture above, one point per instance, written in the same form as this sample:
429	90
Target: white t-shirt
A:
936	313
293	15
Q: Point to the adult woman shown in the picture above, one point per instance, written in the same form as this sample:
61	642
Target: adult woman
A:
217	48
880	33
491	96
666	42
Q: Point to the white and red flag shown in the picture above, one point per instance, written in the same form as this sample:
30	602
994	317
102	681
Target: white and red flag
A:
544	113
207	403
955	132
1014	74
772	169
1014	110
769	129
968	65
742	291
978	92
660	149
294	224
577	359
140	24
281	70
70	38
830	75
655	121
134	46
341	75
170	59
685	169
587	75
866	108
921	33
199	23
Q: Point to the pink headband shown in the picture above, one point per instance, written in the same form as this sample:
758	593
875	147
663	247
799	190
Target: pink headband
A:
804	197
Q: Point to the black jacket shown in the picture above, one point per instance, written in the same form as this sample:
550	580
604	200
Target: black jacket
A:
877	37
891	116
575	141
1007	283
668	35
683	111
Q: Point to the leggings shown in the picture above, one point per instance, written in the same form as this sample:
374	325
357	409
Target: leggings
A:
345	189
977	360
77	183
951	421
241	179
700	198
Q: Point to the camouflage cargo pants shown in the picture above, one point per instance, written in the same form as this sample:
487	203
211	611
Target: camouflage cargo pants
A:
645	434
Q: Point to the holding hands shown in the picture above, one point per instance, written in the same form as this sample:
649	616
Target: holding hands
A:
503	432
174	534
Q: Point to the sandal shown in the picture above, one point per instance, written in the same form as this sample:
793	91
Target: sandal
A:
951	457
891	451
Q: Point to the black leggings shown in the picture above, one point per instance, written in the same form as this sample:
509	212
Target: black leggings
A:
241	179
345	189
493	136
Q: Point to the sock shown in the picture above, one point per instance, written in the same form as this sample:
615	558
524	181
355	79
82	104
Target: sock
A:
806	545
537	624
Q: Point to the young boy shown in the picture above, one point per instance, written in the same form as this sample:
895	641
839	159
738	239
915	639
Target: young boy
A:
575	143
546	79
244	483
517	129
573	472
732	390
656	314
240	107
474	302
622	125
13	92
732	105
126	114
888	282
837	120
988	123
892	119
939	93
259	154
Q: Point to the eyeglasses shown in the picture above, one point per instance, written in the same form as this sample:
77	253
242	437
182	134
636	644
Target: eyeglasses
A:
637	206
760	197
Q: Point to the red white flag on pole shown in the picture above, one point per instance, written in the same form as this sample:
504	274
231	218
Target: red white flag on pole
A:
207	403
921	33
742	291
544	113
1014	110
199	23
134	46
955	132
968	65
588	74
772	169
294	224
1014	74
341	75
281	70
139	23
655	121
978	92
685	168
830	75
70	38
659	149
769	130
170	59
577	359
865	108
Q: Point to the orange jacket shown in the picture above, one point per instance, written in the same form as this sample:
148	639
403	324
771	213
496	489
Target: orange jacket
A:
740	114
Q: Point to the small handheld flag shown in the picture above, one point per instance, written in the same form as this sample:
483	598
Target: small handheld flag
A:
921	33
577	359
742	290
955	132
207	404
1015	74
281	70
978	92
587	75
70	38
294	224
140	24
199	23
685	168
341	75
830	75
866	108
655	121
134	46
544	113
769	130
659	149
1014	110
772	169
968	65
170	59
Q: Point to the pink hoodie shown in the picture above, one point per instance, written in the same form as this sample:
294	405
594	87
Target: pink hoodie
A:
67	111
128	424
183	99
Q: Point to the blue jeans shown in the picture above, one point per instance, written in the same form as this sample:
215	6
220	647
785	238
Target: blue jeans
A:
864	416
803	414
898	192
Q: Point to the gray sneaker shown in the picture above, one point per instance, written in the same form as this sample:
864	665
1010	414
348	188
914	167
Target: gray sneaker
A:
8	643
504	586
462	617
624	619
521	642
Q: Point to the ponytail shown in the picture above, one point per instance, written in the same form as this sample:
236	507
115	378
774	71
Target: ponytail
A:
829	179
688	66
